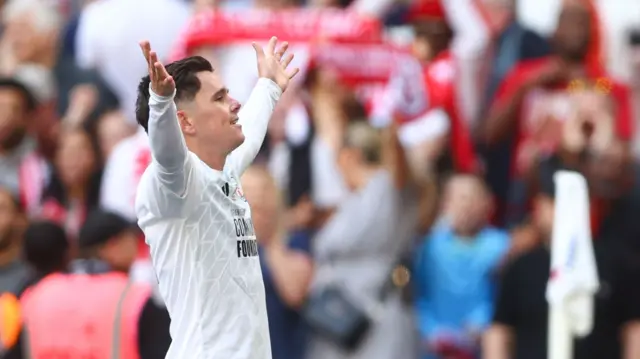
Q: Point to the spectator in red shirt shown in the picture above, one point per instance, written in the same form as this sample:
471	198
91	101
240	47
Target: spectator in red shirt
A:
439	134
535	99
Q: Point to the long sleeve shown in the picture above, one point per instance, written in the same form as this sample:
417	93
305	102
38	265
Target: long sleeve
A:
254	118
168	148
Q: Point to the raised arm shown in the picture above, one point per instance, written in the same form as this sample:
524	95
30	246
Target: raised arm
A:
255	116
168	148
394	158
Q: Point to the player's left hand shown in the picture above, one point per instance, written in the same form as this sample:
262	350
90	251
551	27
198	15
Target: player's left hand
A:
273	64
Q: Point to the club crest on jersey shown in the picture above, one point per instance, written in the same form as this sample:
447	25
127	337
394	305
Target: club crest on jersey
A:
239	194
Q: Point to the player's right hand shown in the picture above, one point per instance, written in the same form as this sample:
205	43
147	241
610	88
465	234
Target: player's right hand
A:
161	82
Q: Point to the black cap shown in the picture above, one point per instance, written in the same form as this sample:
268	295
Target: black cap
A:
45	246
100	226
14	84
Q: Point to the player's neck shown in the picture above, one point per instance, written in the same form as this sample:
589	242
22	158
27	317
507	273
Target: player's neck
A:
213	160
209	156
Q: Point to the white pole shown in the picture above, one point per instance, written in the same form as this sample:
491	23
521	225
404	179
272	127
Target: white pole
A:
560	338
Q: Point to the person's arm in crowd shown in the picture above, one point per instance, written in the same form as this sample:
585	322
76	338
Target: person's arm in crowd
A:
471	48
497	341
427	324
82	101
394	158
290	268
425	139
631	340
503	114
429	199
87	44
254	118
153	331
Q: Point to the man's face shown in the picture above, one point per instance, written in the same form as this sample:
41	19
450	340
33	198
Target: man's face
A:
213	115
121	251
432	37
75	160
499	13
25	39
573	32
13	109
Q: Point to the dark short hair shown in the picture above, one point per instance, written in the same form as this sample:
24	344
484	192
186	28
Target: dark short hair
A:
101	226
27	96
187	84
45	246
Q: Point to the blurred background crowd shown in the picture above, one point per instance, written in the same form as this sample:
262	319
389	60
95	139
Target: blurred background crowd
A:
409	171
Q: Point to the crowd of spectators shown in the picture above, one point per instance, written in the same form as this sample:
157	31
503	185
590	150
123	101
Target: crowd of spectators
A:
420	191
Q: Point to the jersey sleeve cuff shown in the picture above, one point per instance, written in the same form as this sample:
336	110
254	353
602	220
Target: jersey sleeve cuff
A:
274	90
154	98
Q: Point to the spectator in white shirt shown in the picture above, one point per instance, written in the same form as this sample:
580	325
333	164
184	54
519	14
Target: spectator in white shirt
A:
107	36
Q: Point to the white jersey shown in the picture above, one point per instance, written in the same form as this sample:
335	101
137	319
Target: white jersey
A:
203	246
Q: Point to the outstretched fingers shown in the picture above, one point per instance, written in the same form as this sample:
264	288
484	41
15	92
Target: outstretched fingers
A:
163	76
286	61
292	73
271	46
146	52
153	60
259	51
281	51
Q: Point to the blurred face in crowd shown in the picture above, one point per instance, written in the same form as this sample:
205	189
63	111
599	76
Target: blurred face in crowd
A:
571	39
432	36
543	212
27	39
13	116
360	154
467	204
499	13
75	159
45	127
212	115
121	251
112	128
9	216
262	193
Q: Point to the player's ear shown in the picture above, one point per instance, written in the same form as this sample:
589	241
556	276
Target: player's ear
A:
186	123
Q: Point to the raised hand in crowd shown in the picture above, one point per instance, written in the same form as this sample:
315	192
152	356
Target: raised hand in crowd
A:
82	101
590	125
